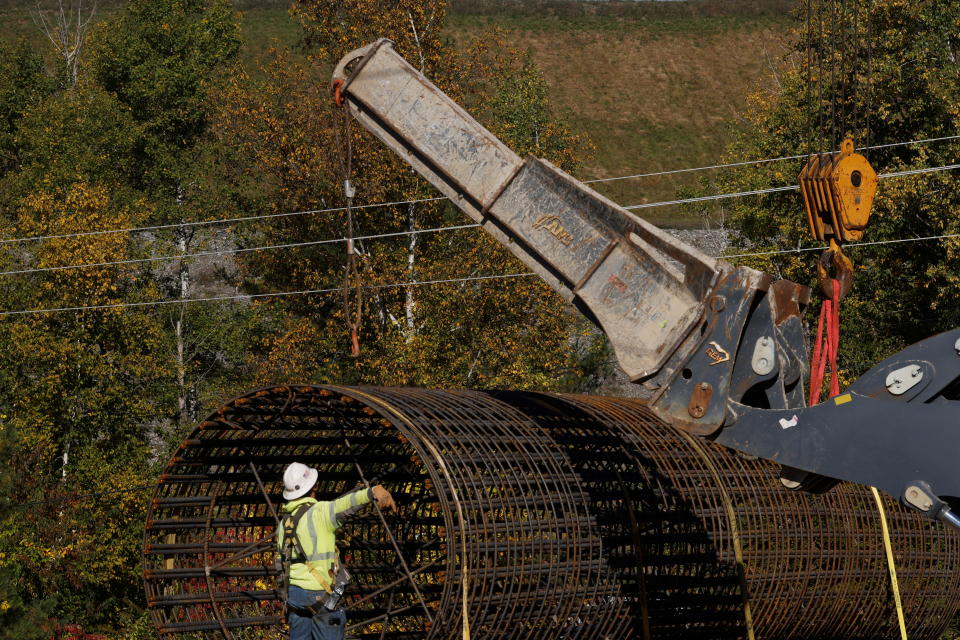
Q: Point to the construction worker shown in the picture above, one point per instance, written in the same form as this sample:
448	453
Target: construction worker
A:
315	579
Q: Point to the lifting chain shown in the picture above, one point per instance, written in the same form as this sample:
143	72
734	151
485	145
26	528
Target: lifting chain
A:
352	295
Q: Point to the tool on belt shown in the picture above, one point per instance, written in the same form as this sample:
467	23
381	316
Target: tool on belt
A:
330	601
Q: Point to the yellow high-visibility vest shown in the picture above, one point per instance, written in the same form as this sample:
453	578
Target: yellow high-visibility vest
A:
316	532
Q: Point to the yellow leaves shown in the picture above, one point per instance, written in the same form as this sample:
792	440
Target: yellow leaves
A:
285	362
82	208
334	28
57	553
283	127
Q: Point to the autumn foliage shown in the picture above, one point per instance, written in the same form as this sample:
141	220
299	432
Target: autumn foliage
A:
163	129
107	185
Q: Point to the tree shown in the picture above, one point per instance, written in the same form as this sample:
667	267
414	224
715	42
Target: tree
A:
889	75
82	134
157	57
507	90
160	58
67	29
331	28
19	616
23	84
82	391
90	393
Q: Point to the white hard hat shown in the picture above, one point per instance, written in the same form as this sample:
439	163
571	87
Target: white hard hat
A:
298	479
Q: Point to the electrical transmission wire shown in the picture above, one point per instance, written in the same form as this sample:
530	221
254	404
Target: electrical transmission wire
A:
308	243
718	196
268	216
792	187
394	285
913	172
202	223
253	296
221	252
746	163
850	245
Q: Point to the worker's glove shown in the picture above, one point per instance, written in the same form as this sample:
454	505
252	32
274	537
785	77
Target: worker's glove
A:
383	498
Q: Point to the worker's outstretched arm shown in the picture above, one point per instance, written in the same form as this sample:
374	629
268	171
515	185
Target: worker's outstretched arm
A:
341	509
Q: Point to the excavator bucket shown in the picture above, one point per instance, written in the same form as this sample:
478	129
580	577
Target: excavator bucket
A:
643	287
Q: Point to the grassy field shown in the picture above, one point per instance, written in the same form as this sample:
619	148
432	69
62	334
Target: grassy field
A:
656	85
652	96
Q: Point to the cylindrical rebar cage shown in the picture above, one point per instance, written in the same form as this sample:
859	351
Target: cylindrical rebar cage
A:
539	516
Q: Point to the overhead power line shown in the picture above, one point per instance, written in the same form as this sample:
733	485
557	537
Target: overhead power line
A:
395	285
235	220
204	223
792	187
850	245
253	296
747	163
719	196
289	245
913	172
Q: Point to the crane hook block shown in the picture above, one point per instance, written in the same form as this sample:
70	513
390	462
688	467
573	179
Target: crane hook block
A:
838	190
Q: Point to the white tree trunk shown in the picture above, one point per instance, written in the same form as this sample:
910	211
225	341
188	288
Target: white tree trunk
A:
67	31
183	274
185	390
410	303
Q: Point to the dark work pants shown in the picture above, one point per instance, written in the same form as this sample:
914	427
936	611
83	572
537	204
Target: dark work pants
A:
326	625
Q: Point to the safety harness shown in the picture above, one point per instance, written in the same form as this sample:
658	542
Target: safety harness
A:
293	553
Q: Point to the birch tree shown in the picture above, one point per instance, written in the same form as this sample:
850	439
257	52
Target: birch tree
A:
159	58
66	23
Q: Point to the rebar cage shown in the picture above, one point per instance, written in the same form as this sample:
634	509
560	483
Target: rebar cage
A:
540	516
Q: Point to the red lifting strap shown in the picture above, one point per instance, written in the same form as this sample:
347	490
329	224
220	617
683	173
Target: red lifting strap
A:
826	347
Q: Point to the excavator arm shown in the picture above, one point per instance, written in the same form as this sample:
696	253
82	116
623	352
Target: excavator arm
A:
716	350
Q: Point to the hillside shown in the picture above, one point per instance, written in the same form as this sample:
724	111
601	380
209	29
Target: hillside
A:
652	95
655	85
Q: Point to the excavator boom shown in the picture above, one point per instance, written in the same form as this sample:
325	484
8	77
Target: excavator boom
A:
716	350
630	277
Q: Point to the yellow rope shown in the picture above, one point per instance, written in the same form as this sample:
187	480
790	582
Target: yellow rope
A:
891	563
734	530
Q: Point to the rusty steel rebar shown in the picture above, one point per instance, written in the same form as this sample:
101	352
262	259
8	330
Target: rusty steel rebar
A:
574	517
